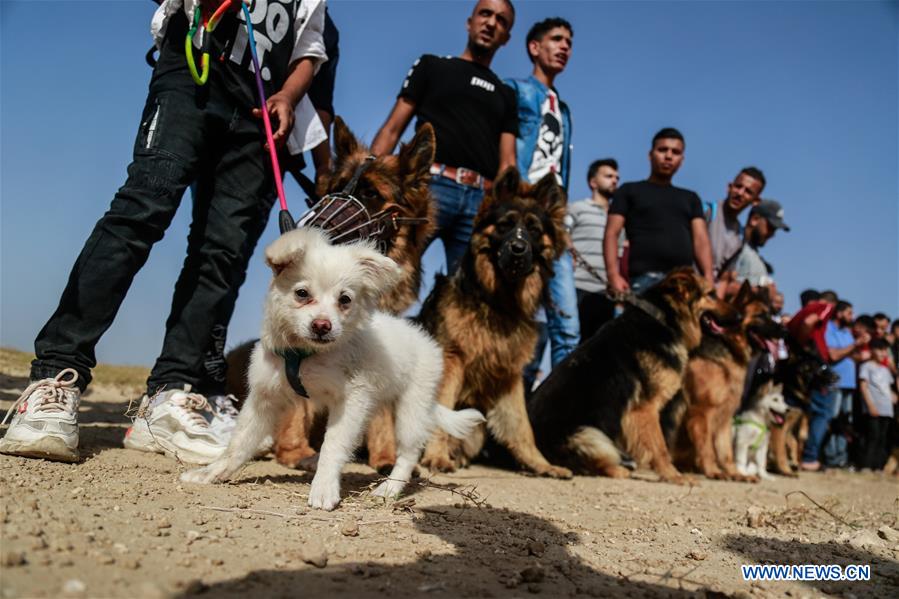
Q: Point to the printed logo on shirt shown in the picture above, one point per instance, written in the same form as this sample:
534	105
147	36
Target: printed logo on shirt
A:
272	21
548	151
478	82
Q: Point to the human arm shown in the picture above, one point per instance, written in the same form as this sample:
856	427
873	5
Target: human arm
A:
280	105
506	151
702	247
391	131
614	225
838	353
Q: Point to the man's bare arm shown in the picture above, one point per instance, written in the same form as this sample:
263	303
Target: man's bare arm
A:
506	152
702	247
391	131
614	225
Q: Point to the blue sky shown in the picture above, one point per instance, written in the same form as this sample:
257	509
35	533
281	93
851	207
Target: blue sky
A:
805	90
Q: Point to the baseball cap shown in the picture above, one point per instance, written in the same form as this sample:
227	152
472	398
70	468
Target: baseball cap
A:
772	211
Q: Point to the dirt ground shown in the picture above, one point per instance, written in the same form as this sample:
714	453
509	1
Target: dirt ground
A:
120	524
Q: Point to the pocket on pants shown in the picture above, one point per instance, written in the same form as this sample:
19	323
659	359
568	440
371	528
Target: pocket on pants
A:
148	134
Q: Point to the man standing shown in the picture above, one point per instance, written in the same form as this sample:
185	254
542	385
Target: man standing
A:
588	226
725	230
543	146
474	120
664	224
746	263
841	346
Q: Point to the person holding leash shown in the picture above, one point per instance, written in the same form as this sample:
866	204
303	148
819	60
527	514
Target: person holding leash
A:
199	124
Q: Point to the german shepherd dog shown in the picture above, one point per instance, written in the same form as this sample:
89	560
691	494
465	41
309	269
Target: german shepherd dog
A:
483	316
801	373
606	396
399	181
698	421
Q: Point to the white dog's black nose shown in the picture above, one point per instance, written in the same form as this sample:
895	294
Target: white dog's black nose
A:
321	327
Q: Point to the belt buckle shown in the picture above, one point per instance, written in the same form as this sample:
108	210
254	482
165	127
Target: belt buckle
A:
473	178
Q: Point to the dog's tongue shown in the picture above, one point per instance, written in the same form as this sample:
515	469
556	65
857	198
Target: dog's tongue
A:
714	326
772	347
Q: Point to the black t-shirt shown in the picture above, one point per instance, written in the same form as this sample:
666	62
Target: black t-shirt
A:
230	61
468	106
658	222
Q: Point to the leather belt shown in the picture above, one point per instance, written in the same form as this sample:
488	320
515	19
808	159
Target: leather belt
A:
462	176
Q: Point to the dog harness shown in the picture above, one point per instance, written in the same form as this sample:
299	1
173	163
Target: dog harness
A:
292	357
762	431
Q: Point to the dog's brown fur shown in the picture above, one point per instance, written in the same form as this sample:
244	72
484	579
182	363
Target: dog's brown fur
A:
485	322
400	180
713	387
607	395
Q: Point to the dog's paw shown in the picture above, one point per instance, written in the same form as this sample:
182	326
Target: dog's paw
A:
324	494
554	472
676	478
213	473
616	472
309	464
389	489
438	463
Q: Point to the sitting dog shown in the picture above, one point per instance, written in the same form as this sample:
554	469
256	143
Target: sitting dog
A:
323	338
752	431
397	182
714	384
607	394
483	317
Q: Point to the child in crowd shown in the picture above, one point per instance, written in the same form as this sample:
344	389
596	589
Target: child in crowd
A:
878	398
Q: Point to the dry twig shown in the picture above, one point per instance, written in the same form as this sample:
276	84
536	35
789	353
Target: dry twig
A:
821	507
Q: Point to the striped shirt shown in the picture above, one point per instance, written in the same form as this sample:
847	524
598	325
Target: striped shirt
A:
588	227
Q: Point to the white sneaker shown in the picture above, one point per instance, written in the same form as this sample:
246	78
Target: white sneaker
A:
224	416
46	421
175	423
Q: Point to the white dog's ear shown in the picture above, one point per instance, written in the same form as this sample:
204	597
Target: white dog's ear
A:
378	272
286	250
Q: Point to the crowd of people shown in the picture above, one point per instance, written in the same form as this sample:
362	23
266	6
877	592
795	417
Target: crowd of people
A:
623	238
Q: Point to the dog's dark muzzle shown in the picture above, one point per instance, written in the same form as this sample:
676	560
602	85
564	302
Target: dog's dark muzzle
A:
516	257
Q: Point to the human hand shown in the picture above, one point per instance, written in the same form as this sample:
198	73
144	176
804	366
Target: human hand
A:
617	284
280	108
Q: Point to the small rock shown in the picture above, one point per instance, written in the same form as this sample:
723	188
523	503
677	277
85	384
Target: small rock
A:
888	534
131	564
677	521
193	587
106	560
192	535
11	559
73	586
164	523
860	539
315	555
697	555
532	574
756	517
424	554
76	492
536	548
350	528
695	531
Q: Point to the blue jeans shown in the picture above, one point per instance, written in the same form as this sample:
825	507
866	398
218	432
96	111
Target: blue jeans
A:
642	282
457	205
819	415
562	319
836	448
562	328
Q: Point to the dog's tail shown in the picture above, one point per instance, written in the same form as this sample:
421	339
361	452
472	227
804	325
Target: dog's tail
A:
458	424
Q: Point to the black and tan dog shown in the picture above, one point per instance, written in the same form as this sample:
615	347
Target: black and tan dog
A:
698	422
801	373
483	317
399	181
607	395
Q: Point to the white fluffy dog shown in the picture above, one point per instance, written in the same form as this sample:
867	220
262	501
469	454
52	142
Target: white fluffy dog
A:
752	432
321	312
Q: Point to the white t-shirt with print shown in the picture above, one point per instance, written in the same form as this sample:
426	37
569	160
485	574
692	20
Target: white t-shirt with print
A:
548	151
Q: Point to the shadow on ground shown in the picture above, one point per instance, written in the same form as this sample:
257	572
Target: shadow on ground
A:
495	552
884	571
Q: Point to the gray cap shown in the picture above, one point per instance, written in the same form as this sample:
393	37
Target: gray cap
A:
772	211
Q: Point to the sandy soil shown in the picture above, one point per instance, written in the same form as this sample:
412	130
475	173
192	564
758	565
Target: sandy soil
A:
119	524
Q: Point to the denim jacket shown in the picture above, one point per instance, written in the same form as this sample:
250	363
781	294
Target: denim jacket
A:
531	94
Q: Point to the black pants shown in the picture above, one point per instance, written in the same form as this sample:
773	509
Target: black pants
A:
185	135
876	441
594	310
